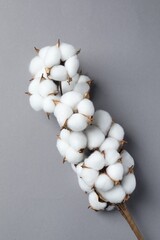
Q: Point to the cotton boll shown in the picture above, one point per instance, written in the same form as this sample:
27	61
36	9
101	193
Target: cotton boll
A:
67	87
62	112
95	203
86	107
103	183
95	161
109	143
89	176
71	99
72	65
116	131
95	137
43	51
52	57
65	134
82	88
79	169
84	78
72	156
62	147
103	120
77	122
36	102
58	73
112	156
129	183
40	73
48	103
78	140
84	186
115	195
127	161
36	65
115	171
34	86
47	87
67	51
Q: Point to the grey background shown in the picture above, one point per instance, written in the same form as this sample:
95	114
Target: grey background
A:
120	40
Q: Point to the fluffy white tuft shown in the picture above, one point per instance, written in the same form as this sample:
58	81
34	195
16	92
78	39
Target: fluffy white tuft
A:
127	161
82	88
67	51
36	102
78	140
77	122
72	65
129	183
95	161
109	143
89	176
62	112
73	156
58	73
62	147
47	87
86	107
52	57
84	186
48	104
103	120
95	137
112	156
115	195
103	183
95	203
71	99
115	171
36	65
116	131
34	86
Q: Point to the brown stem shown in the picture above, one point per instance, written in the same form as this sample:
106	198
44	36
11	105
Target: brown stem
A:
126	214
60	88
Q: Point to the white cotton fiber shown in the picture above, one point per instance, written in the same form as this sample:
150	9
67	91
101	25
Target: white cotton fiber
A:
65	134
115	195
48	104
103	183
67	87
72	65
95	137
95	161
67	51
36	65
62	147
84	186
36	102
62	112
82	88
73	156
47	87
103	120
89	176
109	143
84	78
77	122
95	203
129	183
86	107
71	99
115	171
52	57
34	86
78	140
112	156
43	51
79	169
58	73
127	161
116	131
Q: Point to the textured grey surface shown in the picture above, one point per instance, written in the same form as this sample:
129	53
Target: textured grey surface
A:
120	40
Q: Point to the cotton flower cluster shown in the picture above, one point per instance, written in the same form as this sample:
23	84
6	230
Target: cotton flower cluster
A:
89	140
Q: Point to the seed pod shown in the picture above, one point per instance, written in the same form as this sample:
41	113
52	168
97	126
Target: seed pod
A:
78	140
95	203
71	99
103	183
48	104
73	156
116	131
129	183
112	156
36	102
67	51
47	87
62	112
84	186
77	122
103	120
127	161
62	147
115	195
89	176
52	57
86	107
115	171
36	65
72	65
95	161
95	137
58	73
